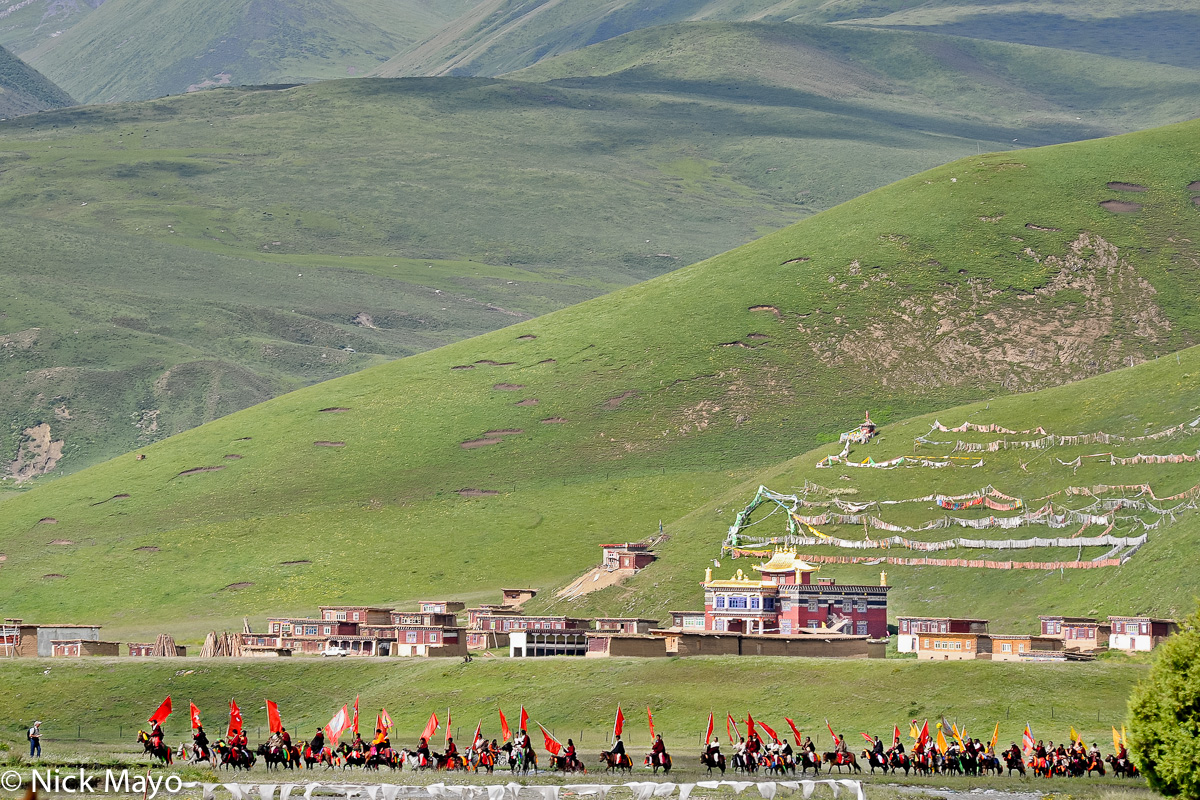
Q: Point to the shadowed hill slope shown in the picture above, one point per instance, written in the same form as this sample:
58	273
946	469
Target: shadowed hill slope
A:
996	273
24	90
174	46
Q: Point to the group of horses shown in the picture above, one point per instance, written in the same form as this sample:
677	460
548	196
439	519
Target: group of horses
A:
776	763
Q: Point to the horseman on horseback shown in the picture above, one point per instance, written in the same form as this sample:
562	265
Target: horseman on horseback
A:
200	744
659	756
424	759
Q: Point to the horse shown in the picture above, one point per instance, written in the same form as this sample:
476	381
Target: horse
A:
989	763
349	757
196	754
325	756
712	761
899	761
275	755
623	763
377	757
234	758
840	760
564	764
449	762
1013	762
481	759
1094	764
779	764
158	750
876	761
810	760
745	762
520	761
653	764
1122	767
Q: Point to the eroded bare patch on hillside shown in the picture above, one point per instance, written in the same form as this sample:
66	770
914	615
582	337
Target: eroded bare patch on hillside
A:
1095	314
37	454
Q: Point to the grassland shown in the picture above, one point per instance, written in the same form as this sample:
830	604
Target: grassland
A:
991	275
485	202
23	90
182	45
572	697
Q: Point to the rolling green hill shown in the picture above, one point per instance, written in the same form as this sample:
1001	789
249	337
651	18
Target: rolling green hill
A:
23	90
137	49
497	37
508	457
485	202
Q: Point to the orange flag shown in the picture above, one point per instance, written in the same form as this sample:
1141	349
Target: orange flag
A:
274	723
650	718
354	723
195	714
447	740
163	711
552	745
384	721
430	728
504	731
896	736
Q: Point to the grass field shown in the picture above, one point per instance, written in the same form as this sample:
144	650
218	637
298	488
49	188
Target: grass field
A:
102	700
597	421
174	261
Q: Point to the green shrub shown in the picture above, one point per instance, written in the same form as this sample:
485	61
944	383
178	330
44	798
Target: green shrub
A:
1164	711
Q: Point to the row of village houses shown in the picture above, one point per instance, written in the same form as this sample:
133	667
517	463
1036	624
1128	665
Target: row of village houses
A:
784	610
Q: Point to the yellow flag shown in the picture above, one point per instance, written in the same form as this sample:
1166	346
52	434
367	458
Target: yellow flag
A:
995	737
1074	735
912	730
1116	742
1124	738
941	740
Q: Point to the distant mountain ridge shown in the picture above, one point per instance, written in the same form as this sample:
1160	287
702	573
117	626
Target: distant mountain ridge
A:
24	90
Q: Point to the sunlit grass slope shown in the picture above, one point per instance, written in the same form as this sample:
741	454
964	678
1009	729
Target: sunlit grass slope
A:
572	697
996	273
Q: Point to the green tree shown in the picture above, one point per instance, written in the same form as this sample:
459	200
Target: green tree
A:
1164	716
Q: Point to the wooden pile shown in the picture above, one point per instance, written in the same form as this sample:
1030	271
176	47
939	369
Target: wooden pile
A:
224	645
164	645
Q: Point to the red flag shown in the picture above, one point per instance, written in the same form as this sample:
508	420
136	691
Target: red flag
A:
384	721
708	734
792	725
195	714
478	733
650	719
235	719
732	729
770	732
447	739
923	737
619	722
274	723
504	731
836	740
868	737
895	735
524	719
749	726
164	711
354	724
430	728
1027	741
552	745
338	725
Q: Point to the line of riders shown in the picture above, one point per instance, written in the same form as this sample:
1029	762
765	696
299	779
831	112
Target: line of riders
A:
750	755
518	755
972	758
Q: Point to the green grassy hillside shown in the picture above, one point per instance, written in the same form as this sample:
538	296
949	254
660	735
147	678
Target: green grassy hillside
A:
26	23
184	45
572	697
576	186
497	37
993	274
23	90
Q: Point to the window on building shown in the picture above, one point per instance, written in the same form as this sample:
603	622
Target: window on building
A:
433	637
411	637
310	630
943	627
812	604
846	605
1020	647
860	605
720	602
328	629
341	616
926	645
1006	647
274	627
904	626
785	627
355	616
784	604
737	602
862	628
768	603
755	602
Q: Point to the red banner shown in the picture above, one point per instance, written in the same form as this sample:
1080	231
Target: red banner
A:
235	718
195	714
708	733
163	711
274	723
430	728
504	731
770	732
650	719
619	722
552	745
792	725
